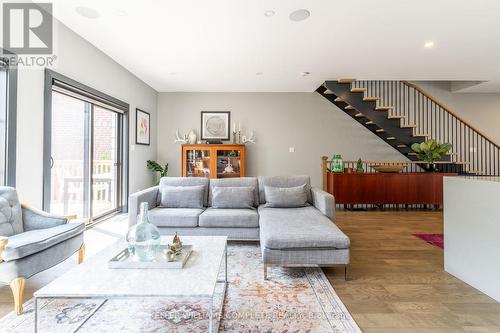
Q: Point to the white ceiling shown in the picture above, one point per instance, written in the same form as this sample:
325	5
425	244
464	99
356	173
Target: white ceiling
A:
209	45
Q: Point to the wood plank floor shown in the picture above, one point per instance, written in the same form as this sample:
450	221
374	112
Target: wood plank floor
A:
397	282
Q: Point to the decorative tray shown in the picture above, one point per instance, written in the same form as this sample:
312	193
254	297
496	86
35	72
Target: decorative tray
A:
127	261
388	168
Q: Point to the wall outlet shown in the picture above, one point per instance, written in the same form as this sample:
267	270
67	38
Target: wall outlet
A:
291	150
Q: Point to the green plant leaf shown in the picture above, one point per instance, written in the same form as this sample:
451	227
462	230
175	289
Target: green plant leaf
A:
431	150
416	148
156	167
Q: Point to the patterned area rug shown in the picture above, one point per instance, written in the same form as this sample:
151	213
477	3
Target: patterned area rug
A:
433	239
298	300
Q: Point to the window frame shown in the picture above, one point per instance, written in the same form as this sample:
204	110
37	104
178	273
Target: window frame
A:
54	79
11	122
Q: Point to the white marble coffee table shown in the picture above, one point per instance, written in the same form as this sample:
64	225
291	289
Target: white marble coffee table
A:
198	278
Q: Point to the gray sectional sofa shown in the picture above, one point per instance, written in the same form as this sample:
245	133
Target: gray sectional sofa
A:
295	224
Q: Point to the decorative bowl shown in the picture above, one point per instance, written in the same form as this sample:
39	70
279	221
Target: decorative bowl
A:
388	168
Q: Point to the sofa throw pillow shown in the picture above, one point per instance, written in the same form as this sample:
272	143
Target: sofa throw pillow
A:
233	197
182	196
286	197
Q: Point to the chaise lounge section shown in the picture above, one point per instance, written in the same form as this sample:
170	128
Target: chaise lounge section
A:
295	224
301	236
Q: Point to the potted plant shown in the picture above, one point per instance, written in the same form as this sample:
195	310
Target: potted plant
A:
431	151
359	166
156	167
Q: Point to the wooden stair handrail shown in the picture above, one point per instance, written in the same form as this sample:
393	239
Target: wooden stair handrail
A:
447	109
326	161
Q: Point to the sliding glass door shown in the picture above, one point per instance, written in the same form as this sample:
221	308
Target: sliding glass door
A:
3	124
105	161
69	157
85	158
8	100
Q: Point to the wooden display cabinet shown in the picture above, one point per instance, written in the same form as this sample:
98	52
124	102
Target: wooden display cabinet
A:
213	161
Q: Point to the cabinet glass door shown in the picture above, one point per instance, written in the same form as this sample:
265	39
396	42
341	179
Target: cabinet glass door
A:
228	163
198	163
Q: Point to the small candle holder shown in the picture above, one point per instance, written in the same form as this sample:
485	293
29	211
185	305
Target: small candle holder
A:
234	137
239	136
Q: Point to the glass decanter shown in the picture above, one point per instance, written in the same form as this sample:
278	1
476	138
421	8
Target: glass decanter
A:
143	238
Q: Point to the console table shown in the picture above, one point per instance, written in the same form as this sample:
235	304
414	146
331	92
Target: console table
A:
412	188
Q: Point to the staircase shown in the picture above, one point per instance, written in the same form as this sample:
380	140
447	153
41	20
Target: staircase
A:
401	114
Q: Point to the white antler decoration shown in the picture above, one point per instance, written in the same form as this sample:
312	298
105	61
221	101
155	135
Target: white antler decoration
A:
179	139
251	139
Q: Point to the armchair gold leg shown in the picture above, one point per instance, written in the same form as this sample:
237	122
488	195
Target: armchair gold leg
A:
81	254
17	287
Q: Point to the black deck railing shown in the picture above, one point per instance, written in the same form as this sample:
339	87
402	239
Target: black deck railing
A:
475	150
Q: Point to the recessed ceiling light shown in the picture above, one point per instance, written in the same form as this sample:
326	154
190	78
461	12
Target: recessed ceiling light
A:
429	44
121	13
269	13
87	12
304	73
300	15
259	73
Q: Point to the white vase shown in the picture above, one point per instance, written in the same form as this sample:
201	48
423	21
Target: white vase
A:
192	137
229	168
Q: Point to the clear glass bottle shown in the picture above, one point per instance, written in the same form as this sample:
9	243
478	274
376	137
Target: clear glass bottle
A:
143	238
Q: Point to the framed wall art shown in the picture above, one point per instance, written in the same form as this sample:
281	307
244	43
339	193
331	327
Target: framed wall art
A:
142	127
215	125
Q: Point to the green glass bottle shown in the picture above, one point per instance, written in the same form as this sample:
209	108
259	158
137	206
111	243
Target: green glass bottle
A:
339	164
332	163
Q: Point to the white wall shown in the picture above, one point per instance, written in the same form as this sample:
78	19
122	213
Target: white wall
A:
471	232
306	121
482	110
81	61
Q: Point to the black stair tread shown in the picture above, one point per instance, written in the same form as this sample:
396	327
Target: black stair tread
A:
371	98
359	90
345	80
384	108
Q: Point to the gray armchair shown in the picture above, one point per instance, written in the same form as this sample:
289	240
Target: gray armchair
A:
32	241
